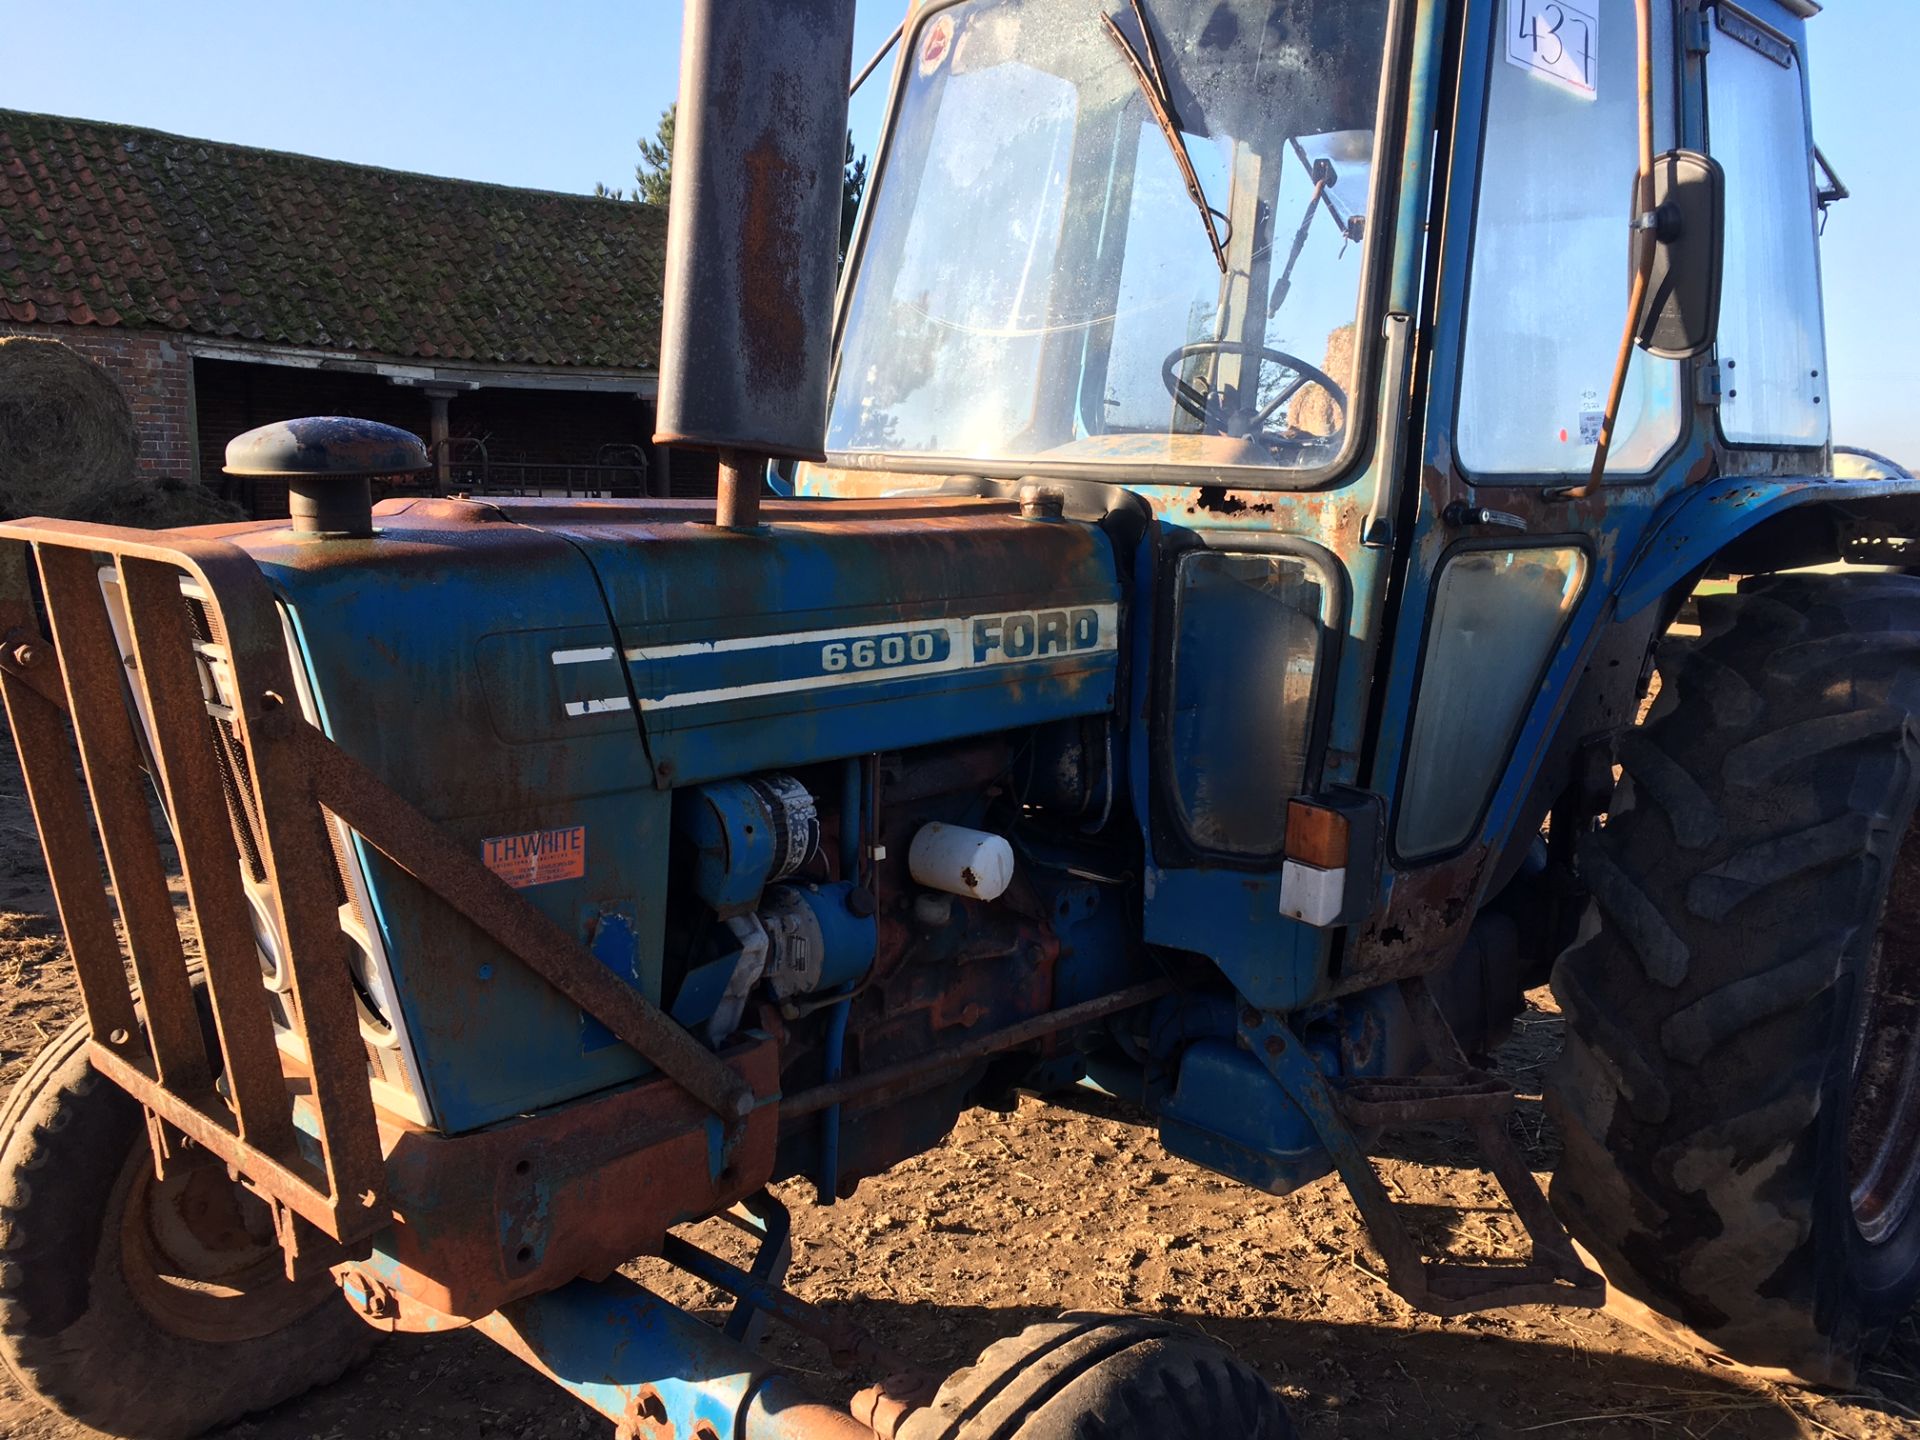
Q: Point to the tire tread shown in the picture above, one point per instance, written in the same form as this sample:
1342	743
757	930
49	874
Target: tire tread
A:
65	1137
1710	995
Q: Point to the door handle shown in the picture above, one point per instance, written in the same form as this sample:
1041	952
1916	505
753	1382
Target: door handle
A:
1460	513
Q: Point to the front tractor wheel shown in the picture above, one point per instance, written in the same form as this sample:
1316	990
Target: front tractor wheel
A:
1740	1090
140	1307
1102	1377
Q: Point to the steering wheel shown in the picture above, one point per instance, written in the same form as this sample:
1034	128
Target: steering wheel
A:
1241	420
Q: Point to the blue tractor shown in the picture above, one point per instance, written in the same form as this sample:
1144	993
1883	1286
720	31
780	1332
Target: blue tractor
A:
1229	518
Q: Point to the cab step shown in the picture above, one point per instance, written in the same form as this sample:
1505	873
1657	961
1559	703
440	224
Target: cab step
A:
1552	1274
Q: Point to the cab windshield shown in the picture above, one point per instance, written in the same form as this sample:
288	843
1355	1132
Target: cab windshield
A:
1131	235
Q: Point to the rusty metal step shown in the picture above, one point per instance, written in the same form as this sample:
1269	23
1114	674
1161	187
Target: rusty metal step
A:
1552	1274
1411	1099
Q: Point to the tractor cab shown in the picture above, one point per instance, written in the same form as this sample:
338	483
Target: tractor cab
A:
1337	289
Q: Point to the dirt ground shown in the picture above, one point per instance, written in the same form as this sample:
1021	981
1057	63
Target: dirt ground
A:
1017	1217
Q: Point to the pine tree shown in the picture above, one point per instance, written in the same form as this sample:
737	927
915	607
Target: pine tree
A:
653	177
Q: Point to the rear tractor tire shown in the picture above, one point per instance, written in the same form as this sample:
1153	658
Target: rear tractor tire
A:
145	1309
1102	1377
1740	1088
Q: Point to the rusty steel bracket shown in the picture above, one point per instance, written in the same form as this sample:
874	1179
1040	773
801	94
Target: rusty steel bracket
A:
848	1343
1553	1274
890	1081
389	822
24	654
526	1205
117	703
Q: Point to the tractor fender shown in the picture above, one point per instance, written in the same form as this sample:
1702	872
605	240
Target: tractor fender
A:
1764	523
1733	524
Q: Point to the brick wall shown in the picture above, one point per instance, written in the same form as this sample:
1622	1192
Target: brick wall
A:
157	378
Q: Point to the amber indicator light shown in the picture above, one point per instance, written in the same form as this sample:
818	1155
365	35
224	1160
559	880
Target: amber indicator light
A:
1316	835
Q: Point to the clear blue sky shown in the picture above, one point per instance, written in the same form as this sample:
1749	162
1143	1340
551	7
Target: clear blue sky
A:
554	94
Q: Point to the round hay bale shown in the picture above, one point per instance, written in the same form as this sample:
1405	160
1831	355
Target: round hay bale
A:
164	503
66	433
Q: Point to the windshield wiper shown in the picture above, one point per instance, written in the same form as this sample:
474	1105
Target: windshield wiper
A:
1153	85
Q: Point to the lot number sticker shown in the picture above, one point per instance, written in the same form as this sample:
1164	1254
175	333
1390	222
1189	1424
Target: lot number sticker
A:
1557	40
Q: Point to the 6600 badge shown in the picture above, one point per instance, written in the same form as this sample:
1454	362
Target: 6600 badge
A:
971	640
886	652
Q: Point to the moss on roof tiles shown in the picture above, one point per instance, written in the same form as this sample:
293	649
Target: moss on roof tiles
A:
230	240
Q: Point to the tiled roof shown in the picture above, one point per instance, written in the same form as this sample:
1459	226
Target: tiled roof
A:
111	225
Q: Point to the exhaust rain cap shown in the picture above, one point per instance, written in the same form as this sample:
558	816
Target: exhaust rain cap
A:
329	463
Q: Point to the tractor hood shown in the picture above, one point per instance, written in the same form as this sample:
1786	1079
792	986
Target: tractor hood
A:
840	629
537	676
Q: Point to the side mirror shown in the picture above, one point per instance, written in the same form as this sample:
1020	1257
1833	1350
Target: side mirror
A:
1687	229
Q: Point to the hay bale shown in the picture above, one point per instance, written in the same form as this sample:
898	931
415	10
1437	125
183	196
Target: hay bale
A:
166	503
67	444
1314	410
66	433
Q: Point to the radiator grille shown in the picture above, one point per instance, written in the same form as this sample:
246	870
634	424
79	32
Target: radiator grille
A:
186	629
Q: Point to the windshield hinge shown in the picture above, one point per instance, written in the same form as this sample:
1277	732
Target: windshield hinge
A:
1706	382
1699	32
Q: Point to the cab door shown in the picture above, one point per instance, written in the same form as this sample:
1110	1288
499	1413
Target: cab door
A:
1262	610
1506	558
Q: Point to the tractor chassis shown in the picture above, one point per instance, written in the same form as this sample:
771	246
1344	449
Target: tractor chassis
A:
494	1229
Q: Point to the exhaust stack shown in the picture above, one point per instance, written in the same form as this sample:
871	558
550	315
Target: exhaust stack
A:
753	236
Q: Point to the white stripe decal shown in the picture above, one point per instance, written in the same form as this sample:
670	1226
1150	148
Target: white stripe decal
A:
599	707
804	682
581	657
959	656
955	628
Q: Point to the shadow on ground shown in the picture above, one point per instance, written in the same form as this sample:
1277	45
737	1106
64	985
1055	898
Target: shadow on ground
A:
1338	1380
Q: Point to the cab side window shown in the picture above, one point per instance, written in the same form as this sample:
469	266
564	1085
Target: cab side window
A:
1773	383
1547	289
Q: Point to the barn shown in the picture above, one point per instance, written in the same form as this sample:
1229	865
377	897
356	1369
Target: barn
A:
225	286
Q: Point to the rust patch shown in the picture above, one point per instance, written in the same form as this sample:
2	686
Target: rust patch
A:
504	1213
774	345
1425	921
